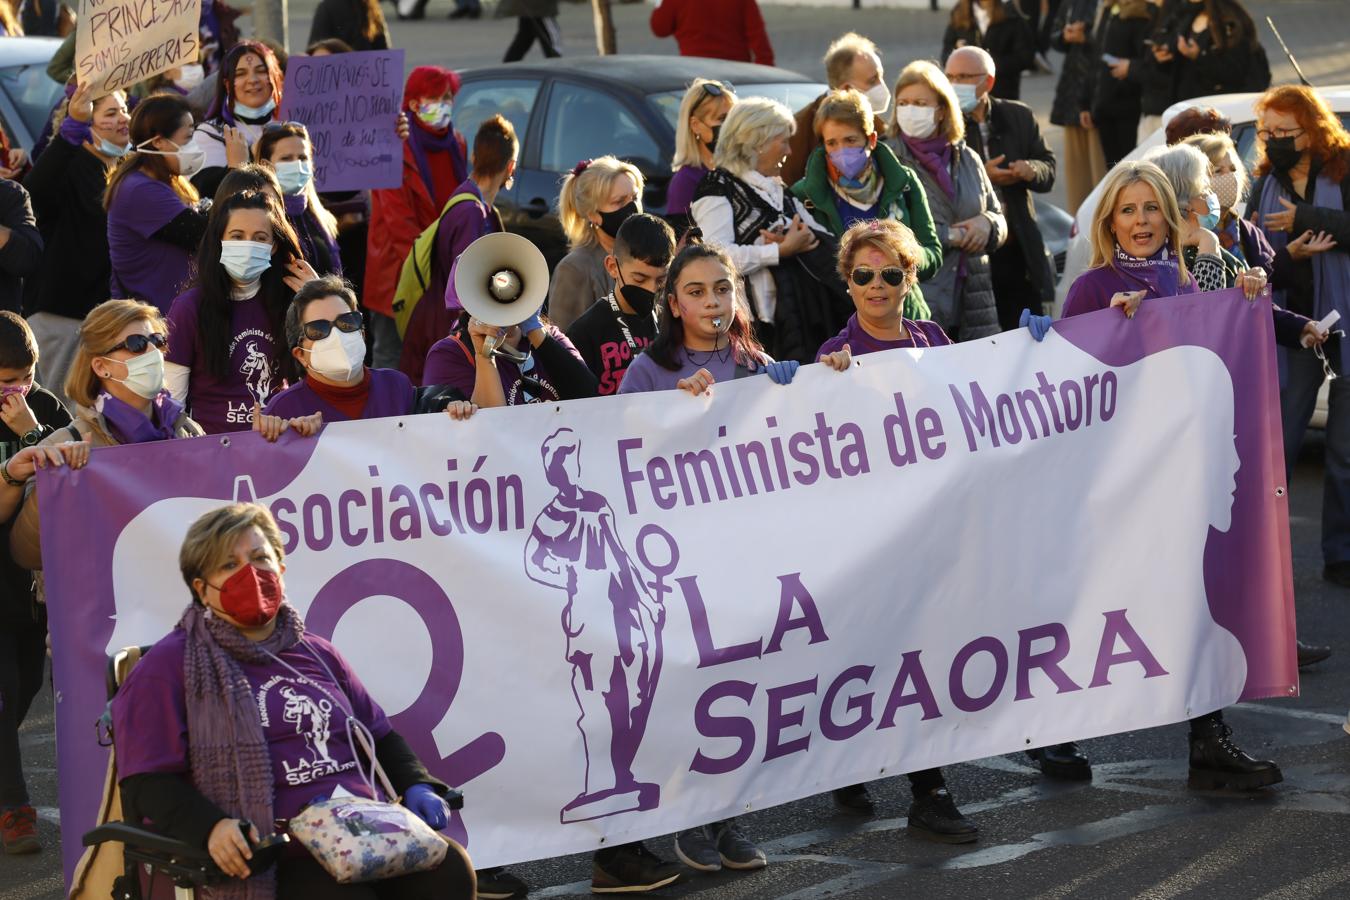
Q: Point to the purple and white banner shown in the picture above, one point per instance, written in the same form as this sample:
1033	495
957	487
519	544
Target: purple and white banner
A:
609	619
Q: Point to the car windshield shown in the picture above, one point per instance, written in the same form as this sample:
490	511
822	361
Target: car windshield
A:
792	95
35	95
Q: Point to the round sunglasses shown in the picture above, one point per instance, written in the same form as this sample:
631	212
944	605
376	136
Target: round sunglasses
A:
892	275
137	343
347	323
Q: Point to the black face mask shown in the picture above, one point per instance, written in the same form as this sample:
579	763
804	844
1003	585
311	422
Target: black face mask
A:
640	299
712	141
1282	154
610	221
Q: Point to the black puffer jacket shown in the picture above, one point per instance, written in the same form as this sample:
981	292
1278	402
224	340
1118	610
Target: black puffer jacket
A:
1121	33
1074	88
1011	42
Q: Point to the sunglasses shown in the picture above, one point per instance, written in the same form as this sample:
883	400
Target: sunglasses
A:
348	323
278	126
892	275
137	343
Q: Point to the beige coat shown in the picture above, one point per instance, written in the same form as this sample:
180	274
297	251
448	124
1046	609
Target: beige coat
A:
25	537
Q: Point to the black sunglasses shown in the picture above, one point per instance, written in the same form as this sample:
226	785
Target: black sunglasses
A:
278	126
137	343
892	275
348	322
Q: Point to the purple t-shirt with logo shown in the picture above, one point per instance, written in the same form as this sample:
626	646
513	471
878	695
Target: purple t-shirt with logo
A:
226	404
922	333
451	362
304	727
144	268
645	375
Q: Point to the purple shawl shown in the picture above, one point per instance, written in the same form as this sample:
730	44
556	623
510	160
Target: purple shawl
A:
935	155
227	750
1331	270
131	426
310	232
422	141
1159	274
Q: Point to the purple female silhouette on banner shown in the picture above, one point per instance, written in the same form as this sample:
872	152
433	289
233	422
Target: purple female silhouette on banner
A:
613	631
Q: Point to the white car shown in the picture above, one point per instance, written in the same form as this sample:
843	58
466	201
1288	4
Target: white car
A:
1239	110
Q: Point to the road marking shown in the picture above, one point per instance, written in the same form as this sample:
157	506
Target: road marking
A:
1308	714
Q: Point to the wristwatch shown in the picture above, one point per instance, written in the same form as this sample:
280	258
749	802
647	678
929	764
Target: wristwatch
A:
33	438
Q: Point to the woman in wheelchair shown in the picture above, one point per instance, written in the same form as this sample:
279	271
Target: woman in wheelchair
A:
238	719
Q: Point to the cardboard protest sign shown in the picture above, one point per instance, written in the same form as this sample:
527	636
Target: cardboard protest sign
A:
350	104
121	42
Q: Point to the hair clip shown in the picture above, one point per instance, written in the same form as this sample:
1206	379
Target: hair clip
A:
581	167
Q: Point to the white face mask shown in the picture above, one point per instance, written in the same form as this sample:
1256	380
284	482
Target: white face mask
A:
339	357
191	157
190	76
145	374
1226	187
917	121
880	97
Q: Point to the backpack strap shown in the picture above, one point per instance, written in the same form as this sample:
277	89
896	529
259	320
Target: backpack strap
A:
422	277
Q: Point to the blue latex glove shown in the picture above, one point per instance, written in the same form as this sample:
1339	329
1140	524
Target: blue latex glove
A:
781	372
1039	326
531	324
426	804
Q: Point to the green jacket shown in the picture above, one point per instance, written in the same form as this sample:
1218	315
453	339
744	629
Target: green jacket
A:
902	198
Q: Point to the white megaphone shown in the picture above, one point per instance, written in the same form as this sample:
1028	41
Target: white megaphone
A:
502	280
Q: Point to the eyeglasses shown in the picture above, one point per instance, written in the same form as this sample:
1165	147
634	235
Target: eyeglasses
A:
1266	134
348	323
137	343
892	275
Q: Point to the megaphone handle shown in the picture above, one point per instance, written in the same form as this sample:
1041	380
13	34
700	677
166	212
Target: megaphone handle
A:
489	344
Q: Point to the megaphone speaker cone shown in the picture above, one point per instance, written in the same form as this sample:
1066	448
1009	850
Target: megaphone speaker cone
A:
501	279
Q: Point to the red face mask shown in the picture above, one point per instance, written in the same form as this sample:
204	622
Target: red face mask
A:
251	596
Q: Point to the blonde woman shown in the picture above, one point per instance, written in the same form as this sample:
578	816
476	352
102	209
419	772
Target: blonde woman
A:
930	139
743	206
596	198
705	107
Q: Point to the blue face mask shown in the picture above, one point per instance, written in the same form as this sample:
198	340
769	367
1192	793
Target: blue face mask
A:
1210	220
108	148
295	175
965	95
245	260
244	111
850	161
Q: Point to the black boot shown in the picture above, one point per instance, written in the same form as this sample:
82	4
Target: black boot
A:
1217	763
1063	761
854	799
934	817
1311	654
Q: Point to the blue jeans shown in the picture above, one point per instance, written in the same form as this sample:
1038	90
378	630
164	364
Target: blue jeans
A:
1303	376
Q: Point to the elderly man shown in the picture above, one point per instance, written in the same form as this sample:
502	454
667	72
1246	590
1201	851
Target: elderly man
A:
852	61
1008	139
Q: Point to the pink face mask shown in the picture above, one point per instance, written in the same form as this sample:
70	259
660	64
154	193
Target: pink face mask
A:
9	390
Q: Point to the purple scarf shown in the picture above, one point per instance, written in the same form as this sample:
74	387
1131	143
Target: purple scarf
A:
227	750
935	155
310	231
1159	274
422	141
128	425
1331	270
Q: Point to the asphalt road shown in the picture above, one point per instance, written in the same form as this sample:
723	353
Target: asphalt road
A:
1135	830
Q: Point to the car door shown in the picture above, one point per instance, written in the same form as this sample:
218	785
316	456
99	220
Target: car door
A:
581	121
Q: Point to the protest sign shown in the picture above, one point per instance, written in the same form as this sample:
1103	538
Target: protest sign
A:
350	104
122	42
615	618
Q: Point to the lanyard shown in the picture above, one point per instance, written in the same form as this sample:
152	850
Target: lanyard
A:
623	326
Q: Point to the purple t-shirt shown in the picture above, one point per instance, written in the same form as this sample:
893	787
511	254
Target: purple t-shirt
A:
391	394
645	375
451	362
1094	289
305	730
226	404
680	193
922	333
144	268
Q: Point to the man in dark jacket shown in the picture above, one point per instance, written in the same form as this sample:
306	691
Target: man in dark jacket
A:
852	61
1005	135
20	243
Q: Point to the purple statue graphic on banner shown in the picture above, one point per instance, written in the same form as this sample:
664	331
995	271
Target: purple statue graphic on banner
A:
613	630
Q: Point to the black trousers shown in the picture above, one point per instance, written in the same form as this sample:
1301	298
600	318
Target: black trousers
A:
1013	290
23	657
1118	133
303	878
529	29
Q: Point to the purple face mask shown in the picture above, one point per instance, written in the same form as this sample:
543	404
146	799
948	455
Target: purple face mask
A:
9	390
850	161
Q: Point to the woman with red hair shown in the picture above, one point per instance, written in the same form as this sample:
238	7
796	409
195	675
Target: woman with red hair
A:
435	160
248	95
1302	201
